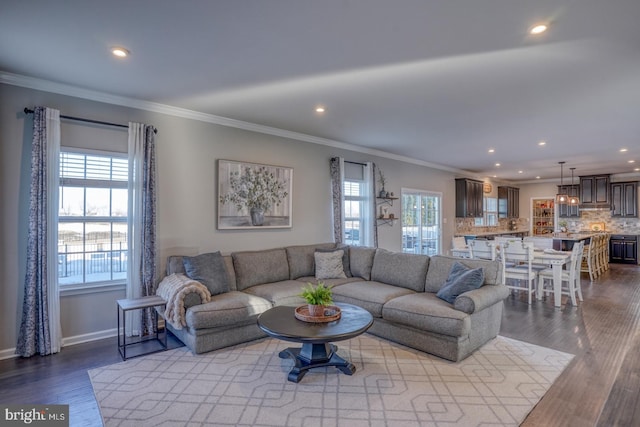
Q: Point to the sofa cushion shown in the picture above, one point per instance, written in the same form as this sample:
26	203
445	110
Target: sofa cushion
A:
286	292
396	268
301	259
427	312
208	269
328	282
361	261
345	257
226	309
369	295
461	279
329	265
440	266
175	264
258	267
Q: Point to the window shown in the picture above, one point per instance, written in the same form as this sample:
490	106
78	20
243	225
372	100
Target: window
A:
490	206
421	231
353	210
358	204
92	223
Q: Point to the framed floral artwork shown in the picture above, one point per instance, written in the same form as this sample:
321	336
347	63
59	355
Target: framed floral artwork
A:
252	196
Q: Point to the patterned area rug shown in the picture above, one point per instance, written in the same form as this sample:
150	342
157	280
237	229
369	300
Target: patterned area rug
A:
246	385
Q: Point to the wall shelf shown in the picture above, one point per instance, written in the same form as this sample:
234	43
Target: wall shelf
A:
386	221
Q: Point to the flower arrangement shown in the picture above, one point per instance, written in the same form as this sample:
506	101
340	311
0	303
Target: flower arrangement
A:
256	189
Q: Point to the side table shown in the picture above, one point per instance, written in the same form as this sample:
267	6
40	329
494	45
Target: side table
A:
129	304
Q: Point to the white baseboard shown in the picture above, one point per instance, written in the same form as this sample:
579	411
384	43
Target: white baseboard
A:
8	353
67	341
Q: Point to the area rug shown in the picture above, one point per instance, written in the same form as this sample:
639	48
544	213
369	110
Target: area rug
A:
246	385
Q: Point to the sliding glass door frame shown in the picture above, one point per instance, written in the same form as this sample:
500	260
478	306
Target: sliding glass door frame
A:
421	222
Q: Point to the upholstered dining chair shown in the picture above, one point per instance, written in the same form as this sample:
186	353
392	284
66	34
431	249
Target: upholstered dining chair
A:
517	266
570	276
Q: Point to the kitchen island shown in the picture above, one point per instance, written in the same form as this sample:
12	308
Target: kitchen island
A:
565	241
490	235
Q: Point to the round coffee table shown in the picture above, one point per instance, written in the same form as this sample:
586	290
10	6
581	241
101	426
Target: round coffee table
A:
316	351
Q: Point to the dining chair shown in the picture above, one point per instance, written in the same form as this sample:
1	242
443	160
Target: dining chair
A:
517	266
482	249
459	248
570	276
540	243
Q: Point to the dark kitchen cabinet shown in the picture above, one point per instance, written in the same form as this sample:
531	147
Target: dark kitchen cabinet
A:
508	202
624	199
594	191
469	198
566	210
623	249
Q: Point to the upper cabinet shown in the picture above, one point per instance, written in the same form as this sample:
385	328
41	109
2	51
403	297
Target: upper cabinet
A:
508	202
566	210
624	199
469	198
594	191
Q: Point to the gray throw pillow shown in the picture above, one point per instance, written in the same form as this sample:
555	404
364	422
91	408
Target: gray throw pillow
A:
209	270
345	258
329	265
461	279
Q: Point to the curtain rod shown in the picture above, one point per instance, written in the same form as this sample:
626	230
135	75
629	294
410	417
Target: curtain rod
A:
80	119
355	163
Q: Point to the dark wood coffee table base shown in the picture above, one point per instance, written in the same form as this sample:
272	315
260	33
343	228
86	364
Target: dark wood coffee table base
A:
314	356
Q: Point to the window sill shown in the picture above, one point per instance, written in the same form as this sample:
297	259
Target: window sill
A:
94	288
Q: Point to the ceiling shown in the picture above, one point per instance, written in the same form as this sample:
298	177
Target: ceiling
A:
439	82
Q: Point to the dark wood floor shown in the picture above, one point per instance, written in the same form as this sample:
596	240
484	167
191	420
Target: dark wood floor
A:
600	387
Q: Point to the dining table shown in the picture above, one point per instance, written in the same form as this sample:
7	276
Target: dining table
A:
556	259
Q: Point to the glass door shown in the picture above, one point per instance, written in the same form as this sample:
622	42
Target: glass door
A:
421	219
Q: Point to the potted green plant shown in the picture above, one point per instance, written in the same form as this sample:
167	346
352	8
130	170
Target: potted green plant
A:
317	298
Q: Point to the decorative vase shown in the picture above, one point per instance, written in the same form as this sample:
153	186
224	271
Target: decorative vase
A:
383	193
257	216
316	310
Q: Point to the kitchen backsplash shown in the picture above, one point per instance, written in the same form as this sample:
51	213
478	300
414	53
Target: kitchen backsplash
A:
612	225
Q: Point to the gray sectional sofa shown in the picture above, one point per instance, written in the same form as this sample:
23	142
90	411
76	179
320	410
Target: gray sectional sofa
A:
398	289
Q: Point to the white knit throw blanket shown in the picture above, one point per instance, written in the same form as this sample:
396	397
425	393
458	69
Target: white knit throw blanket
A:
173	289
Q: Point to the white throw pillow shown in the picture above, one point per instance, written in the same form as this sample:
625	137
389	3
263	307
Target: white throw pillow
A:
329	265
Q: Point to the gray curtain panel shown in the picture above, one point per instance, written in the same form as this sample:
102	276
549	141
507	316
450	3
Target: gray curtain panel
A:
374	171
336	191
35	335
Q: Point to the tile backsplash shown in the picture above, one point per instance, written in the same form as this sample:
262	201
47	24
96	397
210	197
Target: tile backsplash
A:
612	225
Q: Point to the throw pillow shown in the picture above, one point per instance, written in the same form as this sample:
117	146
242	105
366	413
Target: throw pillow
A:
209	270
461	279
345	258
329	265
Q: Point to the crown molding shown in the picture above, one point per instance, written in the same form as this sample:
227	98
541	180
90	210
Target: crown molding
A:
92	95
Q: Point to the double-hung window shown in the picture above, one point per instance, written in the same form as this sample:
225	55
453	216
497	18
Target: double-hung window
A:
354	209
92	218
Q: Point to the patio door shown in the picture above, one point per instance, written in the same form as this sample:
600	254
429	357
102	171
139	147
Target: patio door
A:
421	222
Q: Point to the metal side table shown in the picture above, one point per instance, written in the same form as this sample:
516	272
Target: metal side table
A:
129	304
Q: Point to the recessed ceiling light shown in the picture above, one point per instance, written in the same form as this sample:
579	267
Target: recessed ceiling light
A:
320	109
538	177
637	169
538	29
520	171
495	176
120	52
492	150
497	164
623	150
541	143
632	161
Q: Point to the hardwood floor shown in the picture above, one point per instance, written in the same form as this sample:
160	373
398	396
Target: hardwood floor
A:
600	387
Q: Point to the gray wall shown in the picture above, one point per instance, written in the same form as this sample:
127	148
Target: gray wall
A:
187	152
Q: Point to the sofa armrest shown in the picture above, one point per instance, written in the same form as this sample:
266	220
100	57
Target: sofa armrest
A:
481	298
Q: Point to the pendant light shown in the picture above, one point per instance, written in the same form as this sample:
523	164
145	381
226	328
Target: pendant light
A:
562	197
573	200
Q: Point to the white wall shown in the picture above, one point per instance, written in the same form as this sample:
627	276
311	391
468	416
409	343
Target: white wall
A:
187	152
